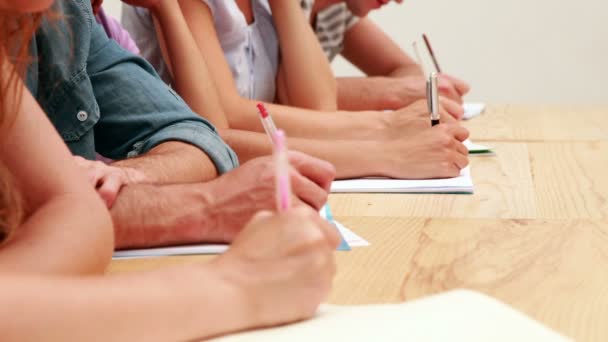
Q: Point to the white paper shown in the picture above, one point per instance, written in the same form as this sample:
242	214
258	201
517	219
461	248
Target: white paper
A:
472	110
460	184
477	149
460	315
351	238
171	251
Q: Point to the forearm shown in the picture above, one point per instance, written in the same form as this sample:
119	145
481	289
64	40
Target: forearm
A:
184	303
298	122
308	79
345	155
172	162
189	67
407	69
152	216
377	93
71	234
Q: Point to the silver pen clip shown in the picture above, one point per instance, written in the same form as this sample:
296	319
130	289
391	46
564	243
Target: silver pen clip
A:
433	97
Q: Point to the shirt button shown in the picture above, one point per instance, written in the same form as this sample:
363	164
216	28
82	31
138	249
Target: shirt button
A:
82	116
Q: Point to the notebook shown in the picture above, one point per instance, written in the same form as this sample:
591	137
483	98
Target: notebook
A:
460	315
472	110
477	149
462	184
349	240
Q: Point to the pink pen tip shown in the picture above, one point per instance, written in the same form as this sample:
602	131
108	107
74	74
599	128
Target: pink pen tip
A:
263	111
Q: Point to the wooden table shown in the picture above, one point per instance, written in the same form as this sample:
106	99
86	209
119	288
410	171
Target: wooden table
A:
534	235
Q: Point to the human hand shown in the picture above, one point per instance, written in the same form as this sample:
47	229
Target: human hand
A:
436	152
236	196
452	87
108	180
403	91
414	118
281	265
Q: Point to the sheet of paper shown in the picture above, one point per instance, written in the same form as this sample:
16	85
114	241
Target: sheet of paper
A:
349	240
462	184
472	110
351	237
460	315
477	149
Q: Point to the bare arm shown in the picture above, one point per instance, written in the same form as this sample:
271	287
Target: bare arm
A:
242	112
394	79
172	162
191	78
67	230
254	284
153	306
305	76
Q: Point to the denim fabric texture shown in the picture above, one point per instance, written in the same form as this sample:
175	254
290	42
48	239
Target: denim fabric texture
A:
102	98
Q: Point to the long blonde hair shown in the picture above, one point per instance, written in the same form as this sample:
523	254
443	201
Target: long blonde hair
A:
16	32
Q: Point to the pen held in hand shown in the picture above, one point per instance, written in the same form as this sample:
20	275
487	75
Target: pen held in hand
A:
432	97
282	180
267	122
427	42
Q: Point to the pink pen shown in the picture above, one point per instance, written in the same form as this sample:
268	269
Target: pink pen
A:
283	182
267	122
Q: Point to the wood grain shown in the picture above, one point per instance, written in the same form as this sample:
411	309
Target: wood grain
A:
526	123
534	235
553	270
570	179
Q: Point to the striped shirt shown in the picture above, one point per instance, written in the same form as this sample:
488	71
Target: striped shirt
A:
330	25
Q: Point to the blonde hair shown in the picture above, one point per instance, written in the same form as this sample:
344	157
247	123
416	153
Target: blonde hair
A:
16	32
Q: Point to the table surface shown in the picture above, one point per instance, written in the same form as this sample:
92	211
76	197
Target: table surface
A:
534	234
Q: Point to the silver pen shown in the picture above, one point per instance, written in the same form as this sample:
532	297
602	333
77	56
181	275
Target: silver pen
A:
432	97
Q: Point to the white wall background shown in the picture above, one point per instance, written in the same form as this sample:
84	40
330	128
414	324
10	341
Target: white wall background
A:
511	51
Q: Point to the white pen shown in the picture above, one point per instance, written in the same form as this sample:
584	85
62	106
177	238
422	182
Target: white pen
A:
432	97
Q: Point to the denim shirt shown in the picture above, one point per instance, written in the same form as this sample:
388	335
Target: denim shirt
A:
103	99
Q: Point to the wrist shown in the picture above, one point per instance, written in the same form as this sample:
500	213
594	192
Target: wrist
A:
244	301
366	125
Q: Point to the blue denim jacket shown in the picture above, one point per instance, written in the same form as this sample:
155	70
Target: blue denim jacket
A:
104	99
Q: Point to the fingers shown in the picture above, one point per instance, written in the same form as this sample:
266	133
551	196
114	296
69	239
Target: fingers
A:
308	191
461	160
461	87
109	188
458	132
331	234
447	89
460	148
453	108
319	171
329	231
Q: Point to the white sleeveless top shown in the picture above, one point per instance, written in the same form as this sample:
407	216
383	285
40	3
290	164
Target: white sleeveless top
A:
252	51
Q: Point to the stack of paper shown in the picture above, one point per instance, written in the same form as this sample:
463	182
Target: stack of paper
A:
462	184
472	110
460	315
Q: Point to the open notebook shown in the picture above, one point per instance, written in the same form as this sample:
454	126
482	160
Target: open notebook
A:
472	110
460	315
462	184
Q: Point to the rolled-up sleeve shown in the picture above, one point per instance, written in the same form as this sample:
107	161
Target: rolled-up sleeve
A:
139	111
